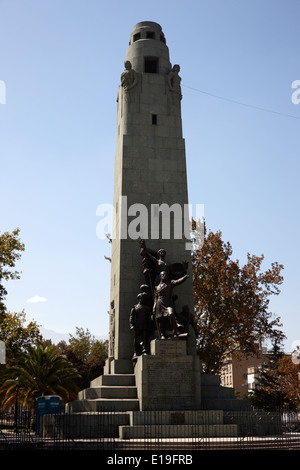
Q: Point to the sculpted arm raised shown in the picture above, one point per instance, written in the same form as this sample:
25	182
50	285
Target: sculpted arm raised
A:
176	282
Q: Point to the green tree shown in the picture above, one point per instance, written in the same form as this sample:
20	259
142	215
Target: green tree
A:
99	351
86	347
16	335
231	301
88	370
87	355
81	343
266	395
39	372
10	251
286	380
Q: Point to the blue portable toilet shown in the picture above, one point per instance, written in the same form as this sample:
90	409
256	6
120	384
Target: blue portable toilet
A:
45	405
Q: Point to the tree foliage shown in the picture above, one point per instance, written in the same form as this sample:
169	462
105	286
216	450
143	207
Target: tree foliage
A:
286	380
267	396
86	347
88	370
87	354
10	251
16	335
231	301
40	367
39	372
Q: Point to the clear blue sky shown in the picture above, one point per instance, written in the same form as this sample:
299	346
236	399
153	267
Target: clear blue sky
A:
61	62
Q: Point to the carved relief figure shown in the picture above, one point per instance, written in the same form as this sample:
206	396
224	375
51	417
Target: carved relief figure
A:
149	264
184	319
160	264
161	277
154	262
145	289
128	77
174	80
112	330
163	308
140	323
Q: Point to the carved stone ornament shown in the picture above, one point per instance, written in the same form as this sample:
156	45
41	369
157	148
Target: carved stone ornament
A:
174	80
128	77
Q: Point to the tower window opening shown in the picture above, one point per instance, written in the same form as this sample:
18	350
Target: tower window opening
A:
154	119
136	37
163	39
151	65
150	35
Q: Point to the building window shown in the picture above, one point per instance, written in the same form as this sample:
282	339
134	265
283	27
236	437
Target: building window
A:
150	35
154	119
151	64
136	37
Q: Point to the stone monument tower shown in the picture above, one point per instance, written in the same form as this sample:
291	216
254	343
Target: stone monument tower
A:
152	363
150	184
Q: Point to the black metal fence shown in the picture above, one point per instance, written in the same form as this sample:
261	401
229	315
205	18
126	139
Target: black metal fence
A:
250	430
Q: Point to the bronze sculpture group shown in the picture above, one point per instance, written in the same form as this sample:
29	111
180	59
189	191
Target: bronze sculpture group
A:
154	315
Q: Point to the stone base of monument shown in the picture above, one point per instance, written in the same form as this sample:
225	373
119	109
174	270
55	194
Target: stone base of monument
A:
118	366
177	424
138	425
167	396
161	381
168	378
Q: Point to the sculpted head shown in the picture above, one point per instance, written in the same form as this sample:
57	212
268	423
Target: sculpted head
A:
162	253
127	65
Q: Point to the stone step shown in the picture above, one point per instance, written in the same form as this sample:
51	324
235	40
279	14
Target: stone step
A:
175	417
103	404
83	425
114	379
165	431
108	392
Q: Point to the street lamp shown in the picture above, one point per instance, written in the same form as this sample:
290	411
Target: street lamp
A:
16	404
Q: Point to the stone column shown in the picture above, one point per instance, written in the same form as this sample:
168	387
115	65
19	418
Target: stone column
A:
150	170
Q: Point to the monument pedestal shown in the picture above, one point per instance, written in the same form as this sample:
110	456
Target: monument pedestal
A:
169	378
118	366
162	399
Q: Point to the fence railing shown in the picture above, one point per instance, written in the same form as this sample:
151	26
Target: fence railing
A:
159	430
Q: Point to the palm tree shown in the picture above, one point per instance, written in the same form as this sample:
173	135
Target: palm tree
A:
39	372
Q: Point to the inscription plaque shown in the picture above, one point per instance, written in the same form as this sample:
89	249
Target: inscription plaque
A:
162	376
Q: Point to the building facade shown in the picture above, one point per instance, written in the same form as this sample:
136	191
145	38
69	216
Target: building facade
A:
240	372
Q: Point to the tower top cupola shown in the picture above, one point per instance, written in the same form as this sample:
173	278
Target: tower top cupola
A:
147	51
